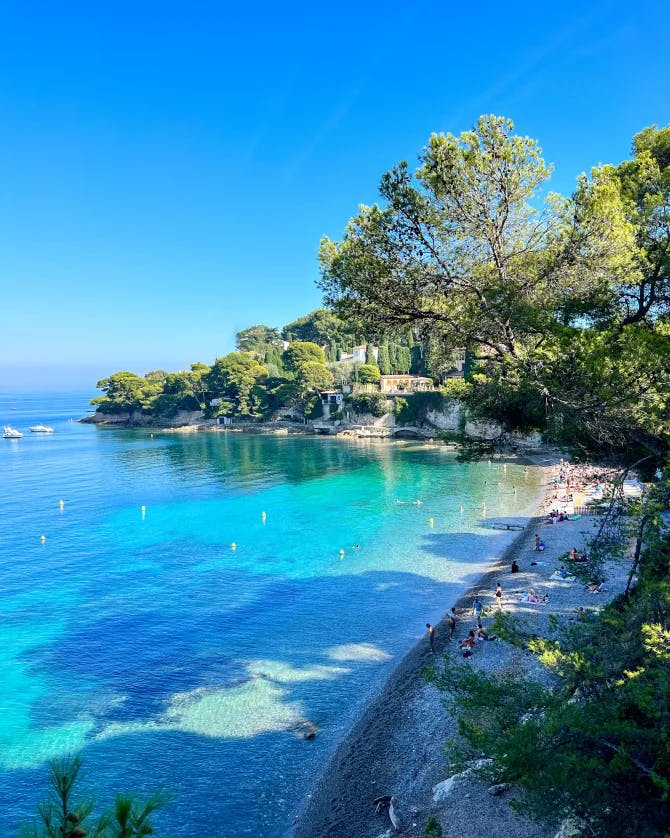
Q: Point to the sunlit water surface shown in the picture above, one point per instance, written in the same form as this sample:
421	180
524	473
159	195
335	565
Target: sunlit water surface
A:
136	635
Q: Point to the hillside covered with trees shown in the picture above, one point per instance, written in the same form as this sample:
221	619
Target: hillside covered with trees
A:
272	370
562	303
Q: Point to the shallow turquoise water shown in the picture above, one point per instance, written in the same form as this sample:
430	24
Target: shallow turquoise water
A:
142	639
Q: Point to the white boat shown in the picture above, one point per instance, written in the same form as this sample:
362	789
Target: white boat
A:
41	429
11	433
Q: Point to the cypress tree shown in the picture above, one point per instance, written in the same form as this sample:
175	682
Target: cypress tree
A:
383	360
370	356
416	359
393	358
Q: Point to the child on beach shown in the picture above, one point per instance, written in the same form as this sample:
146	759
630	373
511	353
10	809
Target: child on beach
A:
431	637
499	595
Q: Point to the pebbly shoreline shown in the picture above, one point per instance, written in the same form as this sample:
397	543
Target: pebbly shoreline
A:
397	746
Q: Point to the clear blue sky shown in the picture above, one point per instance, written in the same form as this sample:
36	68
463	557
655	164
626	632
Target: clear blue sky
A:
167	169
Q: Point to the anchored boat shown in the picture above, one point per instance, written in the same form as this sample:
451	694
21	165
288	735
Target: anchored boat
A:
11	433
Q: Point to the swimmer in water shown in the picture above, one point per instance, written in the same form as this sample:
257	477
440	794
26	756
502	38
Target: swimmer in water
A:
356	547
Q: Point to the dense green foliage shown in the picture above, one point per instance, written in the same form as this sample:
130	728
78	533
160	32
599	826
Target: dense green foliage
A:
563	308
595	742
256	338
413	408
368	374
373	403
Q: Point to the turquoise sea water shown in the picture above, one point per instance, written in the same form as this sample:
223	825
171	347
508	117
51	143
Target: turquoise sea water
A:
143	640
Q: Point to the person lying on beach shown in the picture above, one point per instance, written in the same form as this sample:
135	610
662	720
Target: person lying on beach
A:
597	588
577	557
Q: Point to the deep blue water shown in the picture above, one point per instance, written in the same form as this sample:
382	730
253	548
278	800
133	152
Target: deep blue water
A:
142	639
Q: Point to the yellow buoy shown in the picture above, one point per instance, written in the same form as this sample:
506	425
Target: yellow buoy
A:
61	503
462	510
233	546
341	552
431	521
43	538
264	515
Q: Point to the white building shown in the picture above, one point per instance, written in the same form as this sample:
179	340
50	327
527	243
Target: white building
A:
358	353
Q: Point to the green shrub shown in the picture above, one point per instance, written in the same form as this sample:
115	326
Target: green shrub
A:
432	829
413	409
456	388
374	403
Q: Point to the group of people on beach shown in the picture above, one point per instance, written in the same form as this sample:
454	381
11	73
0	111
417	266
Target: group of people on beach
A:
569	481
474	635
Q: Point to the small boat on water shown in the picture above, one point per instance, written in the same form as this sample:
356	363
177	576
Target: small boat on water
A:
11	433
41	429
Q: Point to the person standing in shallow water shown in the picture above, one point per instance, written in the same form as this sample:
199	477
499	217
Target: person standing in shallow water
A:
431	636
499	595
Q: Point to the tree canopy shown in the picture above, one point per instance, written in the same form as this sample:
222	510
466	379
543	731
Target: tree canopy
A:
562	303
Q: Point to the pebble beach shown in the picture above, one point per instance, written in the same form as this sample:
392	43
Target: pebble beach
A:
397	746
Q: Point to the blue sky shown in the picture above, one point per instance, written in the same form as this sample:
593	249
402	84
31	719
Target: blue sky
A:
167	169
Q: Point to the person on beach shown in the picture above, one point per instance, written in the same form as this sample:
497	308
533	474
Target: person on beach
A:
452	623
537	541
468	644
483	635
499	596
431	637
515	566
477	608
